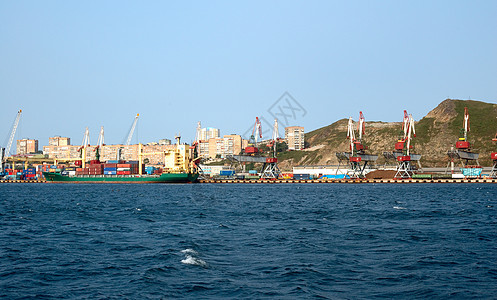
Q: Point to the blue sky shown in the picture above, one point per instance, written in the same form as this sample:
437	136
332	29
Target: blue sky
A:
72	64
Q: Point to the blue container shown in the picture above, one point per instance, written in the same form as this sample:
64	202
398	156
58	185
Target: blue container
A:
110	172
112	161
227	172
252	172
301	176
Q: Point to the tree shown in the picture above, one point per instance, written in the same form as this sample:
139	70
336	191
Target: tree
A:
281	147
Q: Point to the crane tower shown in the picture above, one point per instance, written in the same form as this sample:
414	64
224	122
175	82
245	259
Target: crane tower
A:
357	158
403	149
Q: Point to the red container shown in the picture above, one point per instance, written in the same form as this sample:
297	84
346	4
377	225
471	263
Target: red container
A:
355	159
110	165
403	158
399	145
462	145
123	165
271	160
251	150
94	162
78	163
123	172
358	146
494	156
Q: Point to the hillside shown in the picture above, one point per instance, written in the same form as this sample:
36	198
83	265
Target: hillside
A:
435	134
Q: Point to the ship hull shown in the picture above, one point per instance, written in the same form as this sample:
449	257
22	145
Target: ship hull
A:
163	178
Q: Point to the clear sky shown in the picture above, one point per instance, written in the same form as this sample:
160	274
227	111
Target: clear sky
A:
72	64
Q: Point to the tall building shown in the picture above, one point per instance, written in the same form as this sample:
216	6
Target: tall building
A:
209	133
26	146
59	141
294	136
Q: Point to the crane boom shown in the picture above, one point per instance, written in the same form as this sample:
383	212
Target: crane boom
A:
100	141
132	130
13	133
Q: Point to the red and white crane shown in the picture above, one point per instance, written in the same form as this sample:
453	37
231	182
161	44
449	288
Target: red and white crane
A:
357	157
463	152
403	148
252	149
494	159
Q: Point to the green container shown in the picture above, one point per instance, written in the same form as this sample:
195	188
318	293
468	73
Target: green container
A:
421	176
442	176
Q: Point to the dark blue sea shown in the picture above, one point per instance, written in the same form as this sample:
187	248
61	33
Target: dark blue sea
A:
212	241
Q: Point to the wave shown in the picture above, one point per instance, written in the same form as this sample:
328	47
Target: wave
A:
192	259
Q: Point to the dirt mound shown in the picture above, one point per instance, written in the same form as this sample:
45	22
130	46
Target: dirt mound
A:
381	174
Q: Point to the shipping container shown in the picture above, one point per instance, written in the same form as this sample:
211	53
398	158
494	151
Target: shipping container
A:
421	176
227	172
301	176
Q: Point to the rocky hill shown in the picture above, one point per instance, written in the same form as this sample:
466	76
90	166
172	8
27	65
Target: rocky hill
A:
436	133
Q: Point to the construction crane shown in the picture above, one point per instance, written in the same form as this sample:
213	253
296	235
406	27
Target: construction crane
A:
5	152
252	149
357	158
403	149
132	130
463	151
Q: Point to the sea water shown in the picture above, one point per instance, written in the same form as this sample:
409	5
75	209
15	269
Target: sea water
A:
211	241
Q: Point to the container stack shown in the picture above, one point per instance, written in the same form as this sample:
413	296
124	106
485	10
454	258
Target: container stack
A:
135	167
110	169
81	171
96	169
123	169
29	174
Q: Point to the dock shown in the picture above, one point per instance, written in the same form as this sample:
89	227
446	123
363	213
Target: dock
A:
318	181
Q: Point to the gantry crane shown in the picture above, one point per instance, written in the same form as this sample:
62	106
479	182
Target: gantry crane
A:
357	158
463	146
270	168
493	174
252	149
251	154
5	152
403	149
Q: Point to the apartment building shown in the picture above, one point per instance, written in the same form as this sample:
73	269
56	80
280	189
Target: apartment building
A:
294	137
26	146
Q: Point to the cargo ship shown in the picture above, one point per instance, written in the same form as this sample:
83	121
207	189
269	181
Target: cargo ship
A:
178	168
135	178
